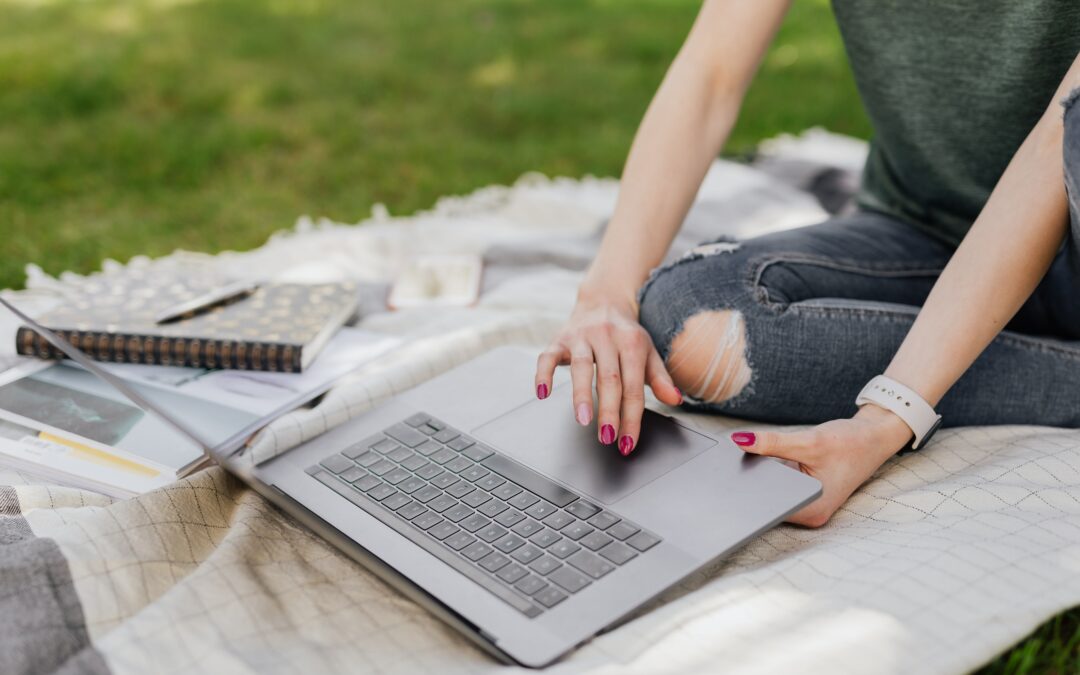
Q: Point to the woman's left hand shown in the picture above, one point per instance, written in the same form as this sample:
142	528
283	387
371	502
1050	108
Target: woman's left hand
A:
842	454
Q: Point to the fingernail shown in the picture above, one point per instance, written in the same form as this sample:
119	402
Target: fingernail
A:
541	390
584	414
679	392
626	444
743	438
607	434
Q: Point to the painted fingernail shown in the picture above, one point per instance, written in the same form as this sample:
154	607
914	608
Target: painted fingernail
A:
607	434
626	444
679	392
584	414
541	390
743	438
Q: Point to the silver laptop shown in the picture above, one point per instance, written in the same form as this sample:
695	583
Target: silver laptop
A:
507	519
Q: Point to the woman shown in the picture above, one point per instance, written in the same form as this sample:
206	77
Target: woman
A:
958	278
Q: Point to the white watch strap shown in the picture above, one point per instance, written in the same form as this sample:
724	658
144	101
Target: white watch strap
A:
908	406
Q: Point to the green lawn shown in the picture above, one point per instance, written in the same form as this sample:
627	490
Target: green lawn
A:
141	126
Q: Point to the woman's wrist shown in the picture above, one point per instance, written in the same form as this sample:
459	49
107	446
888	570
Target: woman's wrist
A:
892	433
594	292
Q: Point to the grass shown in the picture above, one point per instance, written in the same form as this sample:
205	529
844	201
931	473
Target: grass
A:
139	126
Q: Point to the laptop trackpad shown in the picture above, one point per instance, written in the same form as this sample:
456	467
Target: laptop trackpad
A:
544	436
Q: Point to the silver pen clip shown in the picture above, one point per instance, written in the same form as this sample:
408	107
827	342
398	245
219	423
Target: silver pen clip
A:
207	301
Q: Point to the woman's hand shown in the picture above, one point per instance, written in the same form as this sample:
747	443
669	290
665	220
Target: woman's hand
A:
604	332
842	454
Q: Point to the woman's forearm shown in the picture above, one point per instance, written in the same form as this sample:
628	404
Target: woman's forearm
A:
684	128
998	265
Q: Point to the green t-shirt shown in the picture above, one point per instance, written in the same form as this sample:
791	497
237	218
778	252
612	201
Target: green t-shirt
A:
952	88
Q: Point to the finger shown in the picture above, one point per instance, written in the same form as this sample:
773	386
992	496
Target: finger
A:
549	359
660	380
582	364
608	386
633	354
793	445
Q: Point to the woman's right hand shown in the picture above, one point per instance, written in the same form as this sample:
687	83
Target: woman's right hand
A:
604	332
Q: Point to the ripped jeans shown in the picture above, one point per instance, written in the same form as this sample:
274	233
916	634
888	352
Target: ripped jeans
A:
788	327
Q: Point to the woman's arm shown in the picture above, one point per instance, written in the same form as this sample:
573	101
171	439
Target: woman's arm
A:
683	130
995	269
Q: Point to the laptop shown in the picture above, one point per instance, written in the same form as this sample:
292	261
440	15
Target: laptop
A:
505	518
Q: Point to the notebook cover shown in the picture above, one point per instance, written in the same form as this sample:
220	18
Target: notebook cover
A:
279	327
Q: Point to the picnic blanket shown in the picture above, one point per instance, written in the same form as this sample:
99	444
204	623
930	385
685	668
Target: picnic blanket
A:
945	558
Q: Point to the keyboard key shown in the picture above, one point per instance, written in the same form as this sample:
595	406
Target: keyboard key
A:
396	501
428	448
603	520
417	419
367	483
528	528
524	500
411	485
643	541
357	449
526	554
509	518
531	584
527	478
385	446
438	424
446	435
545	538
336	463
427	429
591	564
443	530
623	530
352	474
429	471
396	476
545	565
549	597
401	454
495	561
441	503
596	541
512	573
491	532
414	463
426	494
490	482
478	452
540	510
381	492
475	522
618	553
569	578
460	443
427	520
493	508
406	435
509	543
382	467
445	480
506	491
583	509
411	510
460	489
559	520
563	549
459	540
476	550
457	513
476	498
442	456
369	459
474	473
576	530
458	464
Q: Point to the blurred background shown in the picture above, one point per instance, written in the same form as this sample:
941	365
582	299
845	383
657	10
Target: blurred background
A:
141	126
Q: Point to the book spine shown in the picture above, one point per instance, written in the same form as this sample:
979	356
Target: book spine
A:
165	351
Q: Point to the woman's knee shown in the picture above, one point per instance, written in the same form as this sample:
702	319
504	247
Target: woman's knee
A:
707	359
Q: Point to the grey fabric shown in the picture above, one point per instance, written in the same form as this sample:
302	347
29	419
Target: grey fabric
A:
42	628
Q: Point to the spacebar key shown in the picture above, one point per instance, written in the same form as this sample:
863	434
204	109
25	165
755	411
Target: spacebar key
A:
527	478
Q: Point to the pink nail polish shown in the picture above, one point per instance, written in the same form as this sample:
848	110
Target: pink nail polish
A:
626	444
541	390
744	438
679	392
584	414
607	434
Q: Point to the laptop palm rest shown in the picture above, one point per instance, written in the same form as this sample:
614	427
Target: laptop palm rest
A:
543	435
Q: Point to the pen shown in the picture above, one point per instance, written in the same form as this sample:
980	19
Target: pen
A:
207	301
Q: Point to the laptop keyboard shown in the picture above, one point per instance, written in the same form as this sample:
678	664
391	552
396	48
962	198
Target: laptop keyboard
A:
521	536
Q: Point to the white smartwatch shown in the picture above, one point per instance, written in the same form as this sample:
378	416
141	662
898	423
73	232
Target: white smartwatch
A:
919	415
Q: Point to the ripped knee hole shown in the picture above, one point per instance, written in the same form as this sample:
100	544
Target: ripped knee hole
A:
707	359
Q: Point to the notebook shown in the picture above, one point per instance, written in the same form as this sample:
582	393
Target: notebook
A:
278	328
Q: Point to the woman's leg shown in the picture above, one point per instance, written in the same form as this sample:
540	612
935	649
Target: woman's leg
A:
788	327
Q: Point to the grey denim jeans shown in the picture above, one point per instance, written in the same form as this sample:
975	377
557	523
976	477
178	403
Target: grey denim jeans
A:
825	307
